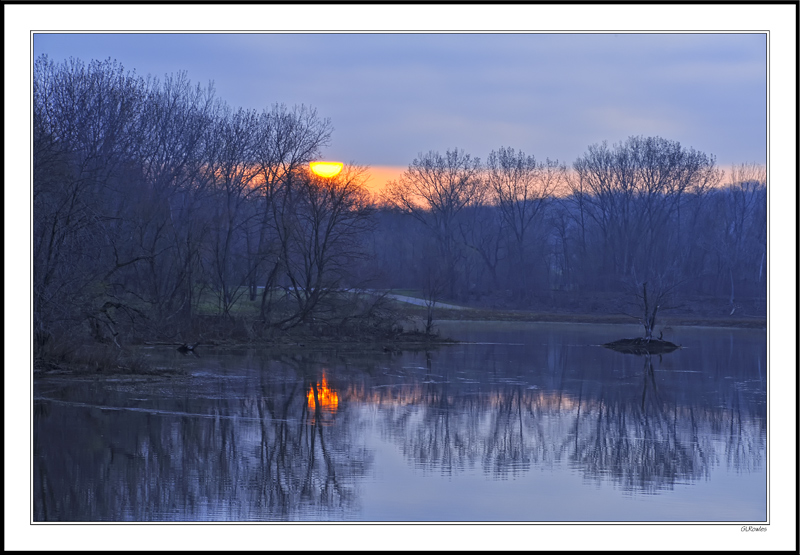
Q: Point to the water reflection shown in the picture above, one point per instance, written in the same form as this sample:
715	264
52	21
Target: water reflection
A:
626	431
322	399
643	445
228	449
263	437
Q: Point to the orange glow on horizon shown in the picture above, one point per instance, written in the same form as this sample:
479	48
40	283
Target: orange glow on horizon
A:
379	176
326	169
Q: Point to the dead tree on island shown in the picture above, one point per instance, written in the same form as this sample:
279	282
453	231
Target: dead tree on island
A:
659	298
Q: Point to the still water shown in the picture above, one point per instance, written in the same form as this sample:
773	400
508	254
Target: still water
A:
519	422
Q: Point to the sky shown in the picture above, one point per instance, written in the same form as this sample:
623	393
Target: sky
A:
393	96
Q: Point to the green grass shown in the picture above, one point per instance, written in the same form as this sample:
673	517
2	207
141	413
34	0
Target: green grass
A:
209	303
488	314
416	293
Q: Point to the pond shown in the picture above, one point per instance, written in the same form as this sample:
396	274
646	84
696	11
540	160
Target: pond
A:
521	422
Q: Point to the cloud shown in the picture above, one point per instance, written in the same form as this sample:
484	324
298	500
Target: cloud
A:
618	121
391	96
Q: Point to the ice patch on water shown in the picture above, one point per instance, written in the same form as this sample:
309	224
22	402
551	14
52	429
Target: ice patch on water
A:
162	412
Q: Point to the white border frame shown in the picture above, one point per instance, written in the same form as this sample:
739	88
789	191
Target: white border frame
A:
778	19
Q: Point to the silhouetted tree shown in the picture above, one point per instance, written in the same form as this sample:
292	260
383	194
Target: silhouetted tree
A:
287	140
520	187
435	189
633	192
331	222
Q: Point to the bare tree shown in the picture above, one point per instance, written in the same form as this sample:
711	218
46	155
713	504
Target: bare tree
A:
738	238
287	140
482	232
321	235
84	119
659	298
174	124
520	187
233	169
434	190
633	193
434	283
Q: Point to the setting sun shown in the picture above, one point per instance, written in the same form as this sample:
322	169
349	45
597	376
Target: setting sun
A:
326	169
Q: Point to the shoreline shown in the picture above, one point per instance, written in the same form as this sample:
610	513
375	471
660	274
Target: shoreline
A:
683	320
127	364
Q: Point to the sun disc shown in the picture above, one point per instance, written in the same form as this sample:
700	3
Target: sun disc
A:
326	169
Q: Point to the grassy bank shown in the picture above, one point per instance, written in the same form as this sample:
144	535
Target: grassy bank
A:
488	314
78	355
593	308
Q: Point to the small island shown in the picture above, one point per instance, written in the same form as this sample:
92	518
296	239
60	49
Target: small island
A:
647	345
641	346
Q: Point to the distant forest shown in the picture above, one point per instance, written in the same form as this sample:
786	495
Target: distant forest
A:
157	206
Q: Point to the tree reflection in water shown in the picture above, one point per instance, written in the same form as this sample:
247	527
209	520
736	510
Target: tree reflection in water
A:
240	451
261	438
625	431
644	446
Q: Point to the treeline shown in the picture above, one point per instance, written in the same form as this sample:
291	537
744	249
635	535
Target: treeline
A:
525	232
156	204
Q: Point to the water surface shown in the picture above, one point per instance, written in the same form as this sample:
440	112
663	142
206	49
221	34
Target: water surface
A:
521	422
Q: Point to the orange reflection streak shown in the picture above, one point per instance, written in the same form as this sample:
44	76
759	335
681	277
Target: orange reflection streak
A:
328	398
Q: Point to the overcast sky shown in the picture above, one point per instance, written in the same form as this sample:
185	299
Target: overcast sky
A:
392	96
